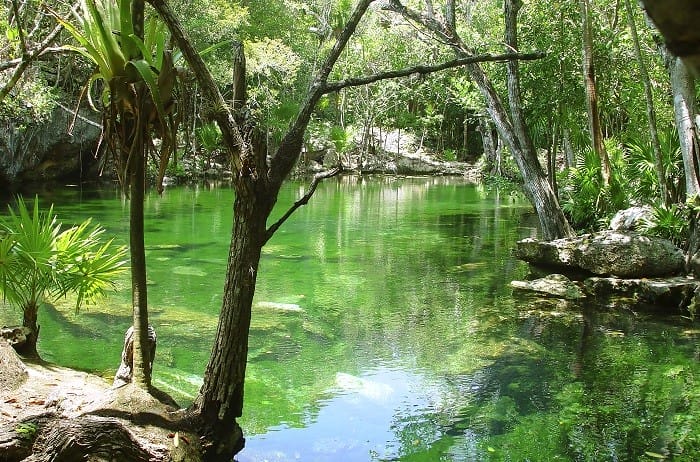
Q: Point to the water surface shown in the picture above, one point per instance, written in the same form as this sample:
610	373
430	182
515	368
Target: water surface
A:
384	330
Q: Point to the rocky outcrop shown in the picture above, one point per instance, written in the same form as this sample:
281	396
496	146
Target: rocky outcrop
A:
657	294
618	264
44	151
392	152
630	219
610	253
661	292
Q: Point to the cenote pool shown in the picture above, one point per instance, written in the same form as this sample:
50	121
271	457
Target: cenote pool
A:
384	329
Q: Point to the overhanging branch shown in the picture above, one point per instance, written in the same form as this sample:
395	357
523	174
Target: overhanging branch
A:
423	69
303	201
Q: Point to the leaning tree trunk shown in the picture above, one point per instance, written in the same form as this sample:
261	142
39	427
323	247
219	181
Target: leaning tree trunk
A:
220	400
553	223
683	89
594	124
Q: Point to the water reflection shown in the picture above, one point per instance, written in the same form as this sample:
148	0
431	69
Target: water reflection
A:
384	329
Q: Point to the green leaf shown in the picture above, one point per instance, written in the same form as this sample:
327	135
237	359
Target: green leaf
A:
150	78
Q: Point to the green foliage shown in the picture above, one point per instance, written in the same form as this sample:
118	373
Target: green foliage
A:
668	222
106	37
642	171
341	138
209	136
27	431
585	200
39	259
634	180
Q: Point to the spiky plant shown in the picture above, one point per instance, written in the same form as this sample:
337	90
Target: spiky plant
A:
41	260
139	78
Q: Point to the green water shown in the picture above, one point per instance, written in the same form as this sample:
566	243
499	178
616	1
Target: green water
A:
384	330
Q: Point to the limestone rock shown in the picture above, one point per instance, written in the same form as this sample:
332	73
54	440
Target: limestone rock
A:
556	285
15	335
675	292
630	219
44	150
609	253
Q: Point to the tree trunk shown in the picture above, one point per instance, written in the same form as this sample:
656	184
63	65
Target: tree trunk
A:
594	125
29	320
511	8
651	113
141	372
553	223
683	89
568	149
220	399
488	145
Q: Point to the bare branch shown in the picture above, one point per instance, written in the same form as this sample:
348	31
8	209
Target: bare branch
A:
290	147
20	28
427	20
27	58
423	69
303	201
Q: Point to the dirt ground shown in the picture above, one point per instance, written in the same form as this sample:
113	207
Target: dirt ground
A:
36	391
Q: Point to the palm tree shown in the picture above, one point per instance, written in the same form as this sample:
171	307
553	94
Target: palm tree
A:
139	76
40	260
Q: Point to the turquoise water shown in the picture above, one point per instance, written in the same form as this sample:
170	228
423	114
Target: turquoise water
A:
384	330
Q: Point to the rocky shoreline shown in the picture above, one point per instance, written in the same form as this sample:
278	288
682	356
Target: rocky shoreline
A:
618	264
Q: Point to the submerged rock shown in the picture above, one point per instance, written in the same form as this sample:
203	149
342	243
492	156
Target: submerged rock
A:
556	285
279	306
606	253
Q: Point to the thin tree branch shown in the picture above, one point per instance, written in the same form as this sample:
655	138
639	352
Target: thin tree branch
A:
290	146
303	201
20	29
423	69
4	65
28	56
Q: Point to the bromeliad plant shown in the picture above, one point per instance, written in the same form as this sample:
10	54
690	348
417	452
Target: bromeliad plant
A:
138	75
40	260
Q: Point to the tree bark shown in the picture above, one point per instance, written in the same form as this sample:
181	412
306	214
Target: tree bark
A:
594	124
29	320
220	399
684	107
651	112
69	440
511	8
141	372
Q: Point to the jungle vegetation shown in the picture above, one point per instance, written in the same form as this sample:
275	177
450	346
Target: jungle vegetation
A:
603	119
